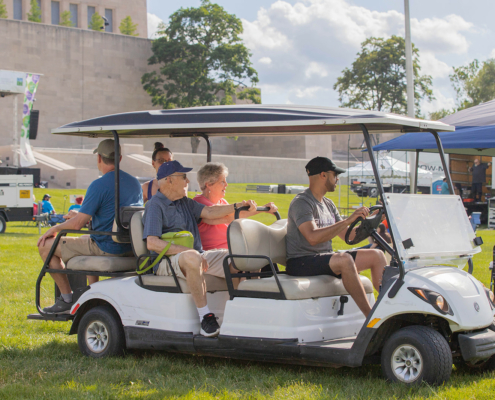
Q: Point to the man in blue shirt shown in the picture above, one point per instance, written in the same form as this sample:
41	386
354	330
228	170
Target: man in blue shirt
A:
98	206
47	206
444	189
170	210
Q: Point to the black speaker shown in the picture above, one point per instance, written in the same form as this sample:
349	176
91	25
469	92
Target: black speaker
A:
33	124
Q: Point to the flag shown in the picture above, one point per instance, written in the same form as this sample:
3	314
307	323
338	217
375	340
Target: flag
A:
26	154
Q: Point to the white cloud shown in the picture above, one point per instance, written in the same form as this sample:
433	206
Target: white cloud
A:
492	54
312	41
441	101
265	60
315	69
153	23
430	65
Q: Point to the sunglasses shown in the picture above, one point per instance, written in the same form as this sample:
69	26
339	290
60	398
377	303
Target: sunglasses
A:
184	176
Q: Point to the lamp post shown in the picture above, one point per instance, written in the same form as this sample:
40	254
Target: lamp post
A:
410	86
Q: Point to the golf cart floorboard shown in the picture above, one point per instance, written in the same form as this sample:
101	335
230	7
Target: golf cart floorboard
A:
51	317
342	343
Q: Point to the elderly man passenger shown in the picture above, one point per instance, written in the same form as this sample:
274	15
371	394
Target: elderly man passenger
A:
212	179
170	210
312	224
99	205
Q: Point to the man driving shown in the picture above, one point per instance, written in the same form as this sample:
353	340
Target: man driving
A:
313	222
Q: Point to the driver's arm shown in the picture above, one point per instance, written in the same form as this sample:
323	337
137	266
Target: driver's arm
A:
315	235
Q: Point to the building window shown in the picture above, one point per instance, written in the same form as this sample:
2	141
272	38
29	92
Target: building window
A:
109	17
55	13
74	15
39	4
18	9
91	12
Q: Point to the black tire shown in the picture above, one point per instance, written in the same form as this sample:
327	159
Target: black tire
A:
424	353
3	224
100	333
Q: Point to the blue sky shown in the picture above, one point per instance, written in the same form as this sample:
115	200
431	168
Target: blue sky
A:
300	47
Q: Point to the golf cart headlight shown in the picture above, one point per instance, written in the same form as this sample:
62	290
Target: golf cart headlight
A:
435	299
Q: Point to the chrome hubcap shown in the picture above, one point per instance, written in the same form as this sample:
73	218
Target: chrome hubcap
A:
97	337
407	363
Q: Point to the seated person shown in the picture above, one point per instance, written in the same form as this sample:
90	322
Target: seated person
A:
160	155
47	207
212	179
170	210
312	224
99	206
77	206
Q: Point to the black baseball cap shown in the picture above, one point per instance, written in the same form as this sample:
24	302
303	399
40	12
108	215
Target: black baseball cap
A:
322	164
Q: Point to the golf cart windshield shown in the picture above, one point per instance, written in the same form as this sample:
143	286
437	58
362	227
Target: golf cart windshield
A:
433	228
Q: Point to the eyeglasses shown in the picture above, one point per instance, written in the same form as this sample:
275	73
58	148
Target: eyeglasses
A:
184	176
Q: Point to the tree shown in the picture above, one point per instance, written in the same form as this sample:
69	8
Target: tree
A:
377	78
65	19
436	115
3	10
127	27
35	14
97	23
201	56
474	83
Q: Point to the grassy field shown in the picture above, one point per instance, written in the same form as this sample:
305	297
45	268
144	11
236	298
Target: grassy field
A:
38	360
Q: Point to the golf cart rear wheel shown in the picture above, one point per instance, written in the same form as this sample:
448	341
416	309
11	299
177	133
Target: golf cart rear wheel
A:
3	224
417	354
100	333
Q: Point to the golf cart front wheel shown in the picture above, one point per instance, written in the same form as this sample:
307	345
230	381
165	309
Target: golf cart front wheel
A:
100	333
417	354
3	224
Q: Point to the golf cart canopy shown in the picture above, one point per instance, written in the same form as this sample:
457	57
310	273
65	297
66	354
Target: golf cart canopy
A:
247	120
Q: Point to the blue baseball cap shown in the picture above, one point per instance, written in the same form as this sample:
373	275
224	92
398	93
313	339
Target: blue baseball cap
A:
169	168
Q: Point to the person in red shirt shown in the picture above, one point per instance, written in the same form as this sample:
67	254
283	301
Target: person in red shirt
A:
212	179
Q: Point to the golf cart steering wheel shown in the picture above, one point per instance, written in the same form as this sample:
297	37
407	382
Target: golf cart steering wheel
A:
246	208
367	226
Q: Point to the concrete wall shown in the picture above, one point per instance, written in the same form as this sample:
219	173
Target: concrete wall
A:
136	9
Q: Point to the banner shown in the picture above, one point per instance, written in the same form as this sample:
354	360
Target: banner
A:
26	154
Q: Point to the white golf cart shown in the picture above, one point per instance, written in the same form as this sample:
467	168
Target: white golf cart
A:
428	315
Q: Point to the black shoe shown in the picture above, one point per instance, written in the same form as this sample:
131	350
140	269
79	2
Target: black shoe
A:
209	326
60	307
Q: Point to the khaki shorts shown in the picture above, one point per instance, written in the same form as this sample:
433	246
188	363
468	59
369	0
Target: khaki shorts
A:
83	246
213	257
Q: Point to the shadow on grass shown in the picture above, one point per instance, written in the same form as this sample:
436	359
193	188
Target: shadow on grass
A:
58	369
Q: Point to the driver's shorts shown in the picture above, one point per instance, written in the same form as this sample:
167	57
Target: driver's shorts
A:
318	264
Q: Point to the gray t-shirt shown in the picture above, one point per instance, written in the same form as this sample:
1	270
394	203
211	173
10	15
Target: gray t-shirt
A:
304	207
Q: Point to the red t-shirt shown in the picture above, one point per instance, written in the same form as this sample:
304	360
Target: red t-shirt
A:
212	236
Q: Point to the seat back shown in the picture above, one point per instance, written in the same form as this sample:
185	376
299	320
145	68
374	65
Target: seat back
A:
136	228
126	214
250	237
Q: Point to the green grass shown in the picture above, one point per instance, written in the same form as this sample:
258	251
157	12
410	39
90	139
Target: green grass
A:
38	360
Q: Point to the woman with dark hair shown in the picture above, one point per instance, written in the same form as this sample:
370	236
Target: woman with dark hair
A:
160	155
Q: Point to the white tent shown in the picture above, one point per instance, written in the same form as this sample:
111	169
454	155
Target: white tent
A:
391	171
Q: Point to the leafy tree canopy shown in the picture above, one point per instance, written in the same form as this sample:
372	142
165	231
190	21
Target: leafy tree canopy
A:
436	115
65	19
3	10
474	83
127	27
201	57
35	14
377	78
97	23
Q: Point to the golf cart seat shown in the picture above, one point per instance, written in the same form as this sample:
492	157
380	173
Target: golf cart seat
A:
213	283
249	237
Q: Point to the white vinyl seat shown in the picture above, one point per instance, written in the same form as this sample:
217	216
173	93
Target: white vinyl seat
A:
213	283
249	237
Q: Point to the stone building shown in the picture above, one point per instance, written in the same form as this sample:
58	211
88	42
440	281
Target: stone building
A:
82	11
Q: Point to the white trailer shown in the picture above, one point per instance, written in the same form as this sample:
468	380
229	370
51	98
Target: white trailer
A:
16	201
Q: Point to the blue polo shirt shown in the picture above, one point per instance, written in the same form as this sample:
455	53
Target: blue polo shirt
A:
99	202
162	215
47	207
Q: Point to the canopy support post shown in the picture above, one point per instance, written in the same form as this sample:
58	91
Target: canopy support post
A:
208	146
400	281
416	165
444	163
117	180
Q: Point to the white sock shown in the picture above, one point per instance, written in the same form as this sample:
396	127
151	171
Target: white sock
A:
67	297
202	312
